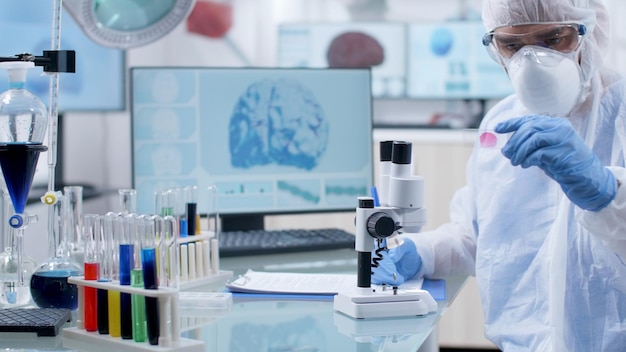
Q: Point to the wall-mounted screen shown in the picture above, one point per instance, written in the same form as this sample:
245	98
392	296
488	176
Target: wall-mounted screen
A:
99	81
380	46
272	140
448	60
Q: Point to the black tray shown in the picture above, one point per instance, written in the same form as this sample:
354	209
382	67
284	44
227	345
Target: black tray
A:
43	321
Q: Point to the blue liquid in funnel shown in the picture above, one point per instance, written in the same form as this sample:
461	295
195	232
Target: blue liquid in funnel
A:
18	162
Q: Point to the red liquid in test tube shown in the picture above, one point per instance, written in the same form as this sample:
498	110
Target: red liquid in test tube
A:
91	297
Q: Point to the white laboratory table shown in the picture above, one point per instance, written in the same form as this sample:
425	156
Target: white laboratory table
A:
280	325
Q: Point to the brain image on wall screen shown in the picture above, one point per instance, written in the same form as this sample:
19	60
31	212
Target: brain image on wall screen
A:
354	49
378	46
280	122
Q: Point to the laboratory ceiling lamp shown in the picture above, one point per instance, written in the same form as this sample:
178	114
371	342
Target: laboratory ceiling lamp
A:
127	24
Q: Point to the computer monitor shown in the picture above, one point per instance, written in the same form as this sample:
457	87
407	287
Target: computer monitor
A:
448	61
272	140
379	45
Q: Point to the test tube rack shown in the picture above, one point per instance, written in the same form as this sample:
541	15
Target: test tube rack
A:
199	265
169	332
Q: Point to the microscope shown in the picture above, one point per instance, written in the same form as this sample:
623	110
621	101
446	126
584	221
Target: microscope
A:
396	209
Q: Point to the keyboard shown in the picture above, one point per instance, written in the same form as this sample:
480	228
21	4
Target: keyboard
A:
261	242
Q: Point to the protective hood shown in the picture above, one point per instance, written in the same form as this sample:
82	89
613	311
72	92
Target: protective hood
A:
591	13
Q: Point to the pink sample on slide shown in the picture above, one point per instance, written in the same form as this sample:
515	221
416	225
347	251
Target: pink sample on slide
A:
488	140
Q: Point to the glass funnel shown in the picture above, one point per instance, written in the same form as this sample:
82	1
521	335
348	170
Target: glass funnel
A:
23	122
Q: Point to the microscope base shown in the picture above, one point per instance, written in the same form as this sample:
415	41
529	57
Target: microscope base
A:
384	304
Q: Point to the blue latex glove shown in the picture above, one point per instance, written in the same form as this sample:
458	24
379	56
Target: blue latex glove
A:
402	260
553	145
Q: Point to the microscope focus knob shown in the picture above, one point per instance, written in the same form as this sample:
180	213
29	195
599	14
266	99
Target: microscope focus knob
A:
380	225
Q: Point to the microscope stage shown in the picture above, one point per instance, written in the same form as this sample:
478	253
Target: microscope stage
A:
384	304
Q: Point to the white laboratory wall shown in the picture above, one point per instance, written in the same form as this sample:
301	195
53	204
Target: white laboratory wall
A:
97	145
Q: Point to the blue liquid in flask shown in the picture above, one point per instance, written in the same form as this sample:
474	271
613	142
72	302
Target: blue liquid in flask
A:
50	289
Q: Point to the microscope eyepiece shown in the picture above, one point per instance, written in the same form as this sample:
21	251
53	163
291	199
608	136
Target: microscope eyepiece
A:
401	153
386	148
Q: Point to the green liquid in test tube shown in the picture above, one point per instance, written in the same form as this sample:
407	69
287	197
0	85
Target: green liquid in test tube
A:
139	307
136	280
167	202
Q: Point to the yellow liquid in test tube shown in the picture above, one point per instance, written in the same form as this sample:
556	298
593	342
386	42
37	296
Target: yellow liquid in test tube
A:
115	328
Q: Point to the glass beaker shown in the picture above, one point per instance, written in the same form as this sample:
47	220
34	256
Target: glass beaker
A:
48	285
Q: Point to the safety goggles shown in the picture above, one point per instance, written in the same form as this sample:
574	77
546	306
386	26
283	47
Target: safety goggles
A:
562	37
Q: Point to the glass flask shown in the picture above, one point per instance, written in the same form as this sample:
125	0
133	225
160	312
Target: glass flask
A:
23	116
48	285
23	122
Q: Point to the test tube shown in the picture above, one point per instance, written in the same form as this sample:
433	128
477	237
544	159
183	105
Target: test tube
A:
102	302
150	277
103	242
128	200
136	279
167	202
74	221
92	270
126	253
213	213
191	203
170	268
114	229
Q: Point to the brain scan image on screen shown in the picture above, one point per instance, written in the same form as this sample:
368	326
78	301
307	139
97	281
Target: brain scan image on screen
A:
355	49
277	122
269	140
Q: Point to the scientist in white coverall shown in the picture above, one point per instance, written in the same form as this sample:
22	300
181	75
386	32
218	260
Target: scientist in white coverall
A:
541	223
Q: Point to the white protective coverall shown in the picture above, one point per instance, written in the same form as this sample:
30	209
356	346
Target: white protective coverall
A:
552	277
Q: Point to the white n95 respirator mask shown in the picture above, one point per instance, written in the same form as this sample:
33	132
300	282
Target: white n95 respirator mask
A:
546	81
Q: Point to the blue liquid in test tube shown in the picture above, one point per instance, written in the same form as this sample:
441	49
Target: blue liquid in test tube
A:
126	264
